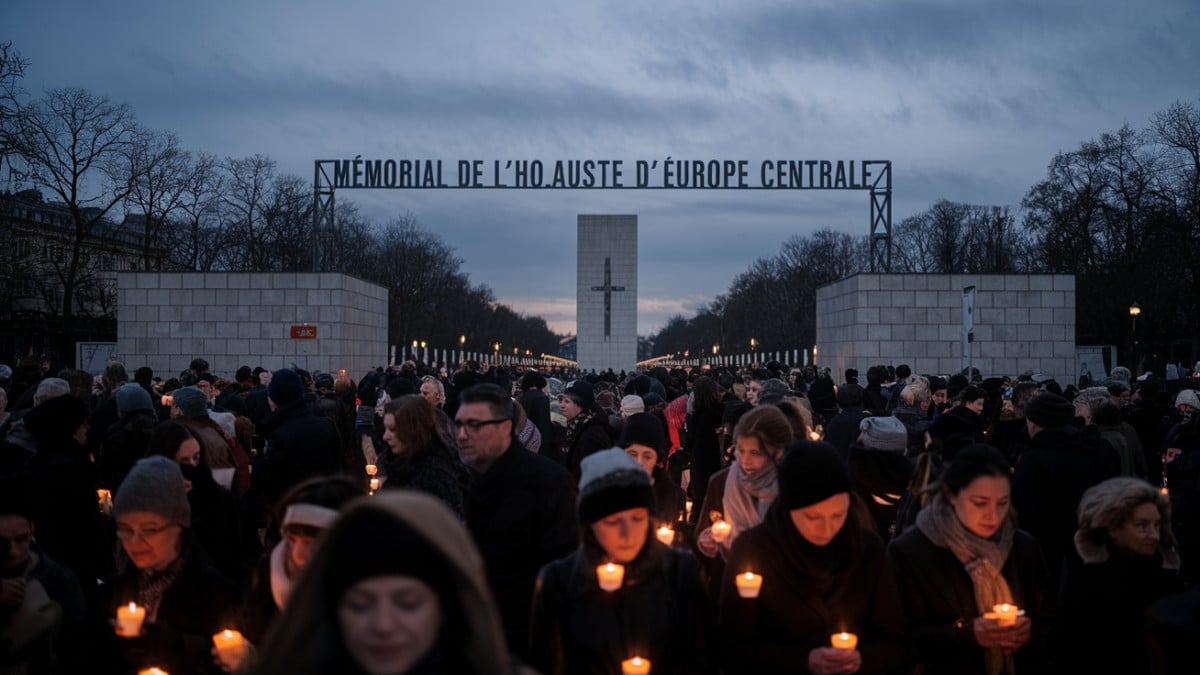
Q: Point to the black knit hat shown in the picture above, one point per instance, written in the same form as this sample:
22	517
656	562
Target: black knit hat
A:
1050	411
810	472
643	429
582	393
611	481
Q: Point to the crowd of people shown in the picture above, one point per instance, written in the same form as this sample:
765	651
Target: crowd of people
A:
758	519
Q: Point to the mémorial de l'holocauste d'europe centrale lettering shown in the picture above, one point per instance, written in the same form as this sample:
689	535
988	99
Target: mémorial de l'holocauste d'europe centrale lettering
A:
770	174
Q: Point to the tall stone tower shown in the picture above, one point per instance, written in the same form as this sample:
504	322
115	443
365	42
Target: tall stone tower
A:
606	293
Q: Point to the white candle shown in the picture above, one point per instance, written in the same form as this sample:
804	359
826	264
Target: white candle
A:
844	640
1006	614
688	510
748	584
721	530
666	535
372	469
230	647
635	666
129	620
610	576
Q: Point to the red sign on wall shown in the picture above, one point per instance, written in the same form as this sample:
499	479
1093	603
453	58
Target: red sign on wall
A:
304	332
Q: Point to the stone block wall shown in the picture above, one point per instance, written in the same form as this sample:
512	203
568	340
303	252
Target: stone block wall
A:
1022	322
165	319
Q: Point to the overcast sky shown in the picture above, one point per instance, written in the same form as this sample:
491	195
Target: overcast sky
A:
969	99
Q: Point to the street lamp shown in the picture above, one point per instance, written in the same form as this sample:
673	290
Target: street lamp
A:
1134	310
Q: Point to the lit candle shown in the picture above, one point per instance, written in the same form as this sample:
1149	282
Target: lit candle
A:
372	469
721	530
129	620
153	671
374	484
844	640
610	576
230	647
666	535
1006	614
104	497
748	584
1164	490
635	666
688	505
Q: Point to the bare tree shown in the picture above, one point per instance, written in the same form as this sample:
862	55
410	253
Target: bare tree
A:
77	146
245	203
161	171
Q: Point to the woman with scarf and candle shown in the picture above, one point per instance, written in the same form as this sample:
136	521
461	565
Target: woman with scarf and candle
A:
185	600
656	611
823	573
964	557
741	493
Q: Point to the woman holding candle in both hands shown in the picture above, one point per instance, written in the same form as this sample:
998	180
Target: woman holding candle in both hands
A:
823	574
656	609
964	558
744	491
184	600
396	587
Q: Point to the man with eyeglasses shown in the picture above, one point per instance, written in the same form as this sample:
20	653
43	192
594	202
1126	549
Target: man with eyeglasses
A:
521	507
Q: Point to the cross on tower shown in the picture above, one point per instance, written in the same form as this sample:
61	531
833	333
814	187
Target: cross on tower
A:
608	289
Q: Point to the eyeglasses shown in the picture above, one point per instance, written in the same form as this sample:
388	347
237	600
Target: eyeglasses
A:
127	533
476	425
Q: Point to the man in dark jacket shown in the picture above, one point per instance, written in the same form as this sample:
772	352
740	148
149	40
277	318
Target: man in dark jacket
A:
537	407
298	445
129	439
1055	471
843	429
521	509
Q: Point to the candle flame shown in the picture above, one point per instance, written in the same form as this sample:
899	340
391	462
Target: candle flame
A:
843	636
637	660
610	568
132	607
227	634
1004	607
749	575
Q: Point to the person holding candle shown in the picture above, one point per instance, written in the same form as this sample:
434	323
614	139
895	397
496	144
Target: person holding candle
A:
185	600
822	573
418	455
397	587
743	492
303	515
583	622
964	557
1130	561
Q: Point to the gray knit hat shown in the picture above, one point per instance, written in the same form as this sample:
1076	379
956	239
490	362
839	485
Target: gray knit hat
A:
154	485
132	397
884	433
773	391
191	401
611	481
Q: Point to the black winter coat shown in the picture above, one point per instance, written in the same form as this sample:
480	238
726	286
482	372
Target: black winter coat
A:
1104	604
843	430
881	478
521	513
128	441
198	604
594	435
298	446
435	471
1054	472
938	600
703	444
808	594
660	613
537	408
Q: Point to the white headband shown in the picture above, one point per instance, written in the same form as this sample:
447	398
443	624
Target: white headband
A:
309	514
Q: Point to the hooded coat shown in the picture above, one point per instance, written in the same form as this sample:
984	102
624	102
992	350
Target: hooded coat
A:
307	641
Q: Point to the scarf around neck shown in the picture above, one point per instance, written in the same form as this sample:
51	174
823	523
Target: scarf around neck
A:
747	499
982	558
575	426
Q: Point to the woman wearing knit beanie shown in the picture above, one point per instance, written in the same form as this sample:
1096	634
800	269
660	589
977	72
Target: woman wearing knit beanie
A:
964	557
823	573
659	612
185	600
396	586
